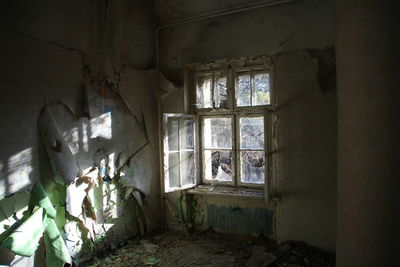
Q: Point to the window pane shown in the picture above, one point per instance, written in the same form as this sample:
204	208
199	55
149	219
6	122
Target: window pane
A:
187	168
220	92
251	132
173	169
187	126
243	90
218	165
261	89
173	134
203	91
217	133
252	165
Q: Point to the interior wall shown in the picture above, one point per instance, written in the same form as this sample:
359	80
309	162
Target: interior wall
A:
51	50
293	35
300	24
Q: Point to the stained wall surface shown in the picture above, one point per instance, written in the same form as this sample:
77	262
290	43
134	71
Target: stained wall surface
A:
51	50
293	34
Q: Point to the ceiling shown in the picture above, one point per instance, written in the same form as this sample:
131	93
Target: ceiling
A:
171	10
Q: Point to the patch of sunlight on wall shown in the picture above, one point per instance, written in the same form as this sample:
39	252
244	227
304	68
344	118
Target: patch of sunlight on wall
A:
72	139
85	139
101	126
2	181
19	170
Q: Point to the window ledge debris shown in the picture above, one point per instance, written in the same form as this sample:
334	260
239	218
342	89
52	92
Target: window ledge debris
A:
227	191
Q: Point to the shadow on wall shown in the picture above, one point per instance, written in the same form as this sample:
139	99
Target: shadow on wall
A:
98	185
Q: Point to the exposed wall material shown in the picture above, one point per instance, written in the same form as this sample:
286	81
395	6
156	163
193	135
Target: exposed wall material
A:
51	50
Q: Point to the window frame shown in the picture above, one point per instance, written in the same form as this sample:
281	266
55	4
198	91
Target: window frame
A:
235	111
236	181
213	74
251	70
166	152
237	141
230	68
202	148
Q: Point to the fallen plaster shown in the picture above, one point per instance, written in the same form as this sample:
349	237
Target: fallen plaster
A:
211	249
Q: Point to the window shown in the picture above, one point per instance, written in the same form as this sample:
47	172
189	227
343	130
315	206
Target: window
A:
252	88
179	152
211	90
232	109
233	146
232	136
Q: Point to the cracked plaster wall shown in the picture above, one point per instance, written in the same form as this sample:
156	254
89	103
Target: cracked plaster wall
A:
50	50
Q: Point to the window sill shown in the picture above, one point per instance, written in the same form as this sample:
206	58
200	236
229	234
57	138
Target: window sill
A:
227	191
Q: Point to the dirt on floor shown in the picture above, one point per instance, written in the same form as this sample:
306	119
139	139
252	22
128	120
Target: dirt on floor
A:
178	249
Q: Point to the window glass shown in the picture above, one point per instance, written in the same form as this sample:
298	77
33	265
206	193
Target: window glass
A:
173	169
243	90
251	132
218	165
173	131
220	92
217	133
252	166
203	91
261	89
251	146
187	167
179	154
217	155
187	134
252	89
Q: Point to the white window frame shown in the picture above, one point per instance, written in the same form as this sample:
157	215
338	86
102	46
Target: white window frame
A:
166	186
213	75
236	181
231	70
203	178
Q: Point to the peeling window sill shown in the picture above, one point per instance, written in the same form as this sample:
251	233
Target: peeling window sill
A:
227	191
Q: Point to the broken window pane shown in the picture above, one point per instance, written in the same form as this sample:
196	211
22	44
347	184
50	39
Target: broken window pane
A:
187	167
187	134
261	92
252	166
251	132
173	134
218	165
203	91
217	133
220	92
243	90
173	169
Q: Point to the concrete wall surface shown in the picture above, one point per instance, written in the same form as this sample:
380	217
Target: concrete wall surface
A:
51	51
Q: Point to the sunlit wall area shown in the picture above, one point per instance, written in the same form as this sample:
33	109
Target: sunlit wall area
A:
54	54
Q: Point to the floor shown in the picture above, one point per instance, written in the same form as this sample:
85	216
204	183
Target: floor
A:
211	249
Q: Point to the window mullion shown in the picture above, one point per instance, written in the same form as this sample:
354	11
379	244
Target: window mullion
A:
212	90
236	149
179	149
231	89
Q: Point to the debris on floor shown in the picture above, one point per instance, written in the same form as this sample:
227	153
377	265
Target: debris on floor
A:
210	249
